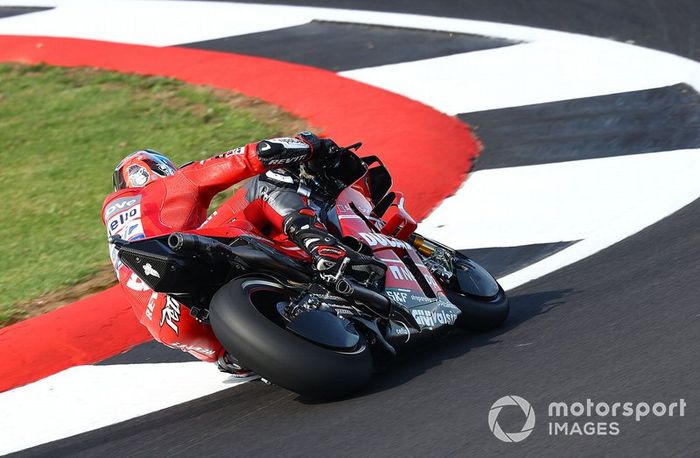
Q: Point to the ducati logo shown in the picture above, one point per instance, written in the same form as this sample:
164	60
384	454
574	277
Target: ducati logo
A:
149	270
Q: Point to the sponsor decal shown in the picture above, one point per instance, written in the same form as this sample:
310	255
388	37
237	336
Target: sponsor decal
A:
118	223
375	239
123	219
233	152
194	348
331	252
170	314
430	280
400	329
114	257
288	160
339	309
138	175
279	177
401	272
121	204
397	296
151	306
429	318
136	283
289	142
149	270
133	229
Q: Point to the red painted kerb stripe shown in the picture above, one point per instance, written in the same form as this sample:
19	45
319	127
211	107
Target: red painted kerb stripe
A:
428	153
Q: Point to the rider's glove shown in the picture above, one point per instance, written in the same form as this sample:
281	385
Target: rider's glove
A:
333	261
282	152
325	151
287	151
319	145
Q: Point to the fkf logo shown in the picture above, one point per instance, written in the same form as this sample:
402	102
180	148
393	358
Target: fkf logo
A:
398	296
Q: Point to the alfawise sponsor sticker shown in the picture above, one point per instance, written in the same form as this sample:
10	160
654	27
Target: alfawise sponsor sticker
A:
579	418
432	318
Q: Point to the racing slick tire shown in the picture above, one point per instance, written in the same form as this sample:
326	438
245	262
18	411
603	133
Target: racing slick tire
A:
479	296
242	315
480	314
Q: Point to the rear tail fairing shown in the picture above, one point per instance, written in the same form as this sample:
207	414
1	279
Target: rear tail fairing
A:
193	270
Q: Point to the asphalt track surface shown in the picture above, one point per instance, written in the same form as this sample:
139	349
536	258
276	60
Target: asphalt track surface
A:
622	325
667	25
316	44
9	11
619	325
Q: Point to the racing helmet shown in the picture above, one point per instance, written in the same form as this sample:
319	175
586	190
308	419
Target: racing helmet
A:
140	168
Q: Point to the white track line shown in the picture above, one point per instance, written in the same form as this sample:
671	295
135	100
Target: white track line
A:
148	23
565	201
158	12
526	74
84	398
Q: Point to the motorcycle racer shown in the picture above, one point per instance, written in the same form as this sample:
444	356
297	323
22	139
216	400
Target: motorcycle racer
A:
278	200
153	197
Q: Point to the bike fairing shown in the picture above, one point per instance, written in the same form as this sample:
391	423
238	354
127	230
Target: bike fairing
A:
354	200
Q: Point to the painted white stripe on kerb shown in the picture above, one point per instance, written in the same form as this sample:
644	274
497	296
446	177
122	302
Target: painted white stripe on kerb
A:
550	66
565	201
84	398
149	23
601	201
530	73
158	13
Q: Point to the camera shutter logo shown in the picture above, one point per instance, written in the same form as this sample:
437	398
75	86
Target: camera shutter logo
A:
511	401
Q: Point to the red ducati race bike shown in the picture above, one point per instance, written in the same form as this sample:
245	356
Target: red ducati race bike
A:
271	311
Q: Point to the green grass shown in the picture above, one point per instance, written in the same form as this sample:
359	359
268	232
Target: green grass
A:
62	131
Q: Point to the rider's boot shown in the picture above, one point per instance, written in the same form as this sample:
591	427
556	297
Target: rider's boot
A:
229	364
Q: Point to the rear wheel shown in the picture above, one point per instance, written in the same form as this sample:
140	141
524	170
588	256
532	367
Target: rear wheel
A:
245	318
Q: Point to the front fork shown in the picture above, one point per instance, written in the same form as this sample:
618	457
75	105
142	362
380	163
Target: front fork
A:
436	257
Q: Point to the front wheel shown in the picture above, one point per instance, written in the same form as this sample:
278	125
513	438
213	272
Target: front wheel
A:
480	314
482	301
244	317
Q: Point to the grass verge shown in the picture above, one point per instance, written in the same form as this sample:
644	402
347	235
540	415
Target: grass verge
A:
62	131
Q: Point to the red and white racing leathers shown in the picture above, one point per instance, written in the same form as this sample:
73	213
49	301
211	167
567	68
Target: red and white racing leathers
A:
177	203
